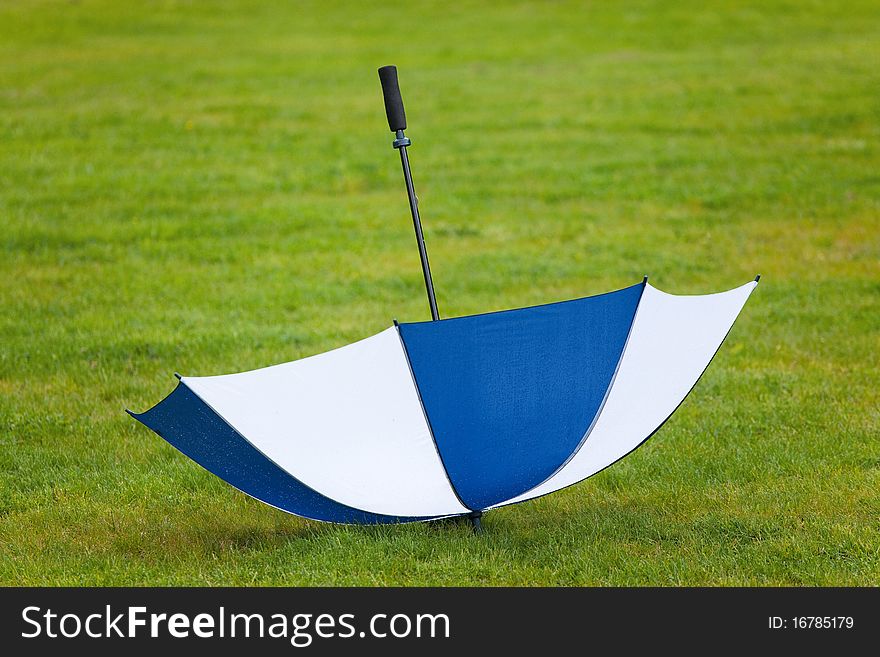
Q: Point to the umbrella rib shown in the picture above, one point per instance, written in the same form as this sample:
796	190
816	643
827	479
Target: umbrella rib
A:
604	399
428	419
647	438
285	471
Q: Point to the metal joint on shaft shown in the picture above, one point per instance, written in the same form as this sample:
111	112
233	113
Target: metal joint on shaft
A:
400	143
401	140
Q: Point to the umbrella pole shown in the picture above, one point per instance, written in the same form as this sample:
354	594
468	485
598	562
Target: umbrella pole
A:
417	222
397	122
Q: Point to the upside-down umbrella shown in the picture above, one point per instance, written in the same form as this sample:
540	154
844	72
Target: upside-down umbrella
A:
451	417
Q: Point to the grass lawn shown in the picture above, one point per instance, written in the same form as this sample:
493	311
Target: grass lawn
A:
208	189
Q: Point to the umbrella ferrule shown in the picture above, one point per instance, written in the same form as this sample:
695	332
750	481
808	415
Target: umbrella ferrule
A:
474	517
401	140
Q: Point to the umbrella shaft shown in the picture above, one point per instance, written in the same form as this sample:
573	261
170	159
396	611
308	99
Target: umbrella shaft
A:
420	238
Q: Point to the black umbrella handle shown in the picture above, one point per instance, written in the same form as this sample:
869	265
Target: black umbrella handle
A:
393	102
397	122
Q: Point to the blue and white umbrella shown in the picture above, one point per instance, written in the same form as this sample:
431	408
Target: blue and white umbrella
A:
456	416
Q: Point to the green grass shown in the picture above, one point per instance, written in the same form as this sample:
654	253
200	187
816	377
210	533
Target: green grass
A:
212	188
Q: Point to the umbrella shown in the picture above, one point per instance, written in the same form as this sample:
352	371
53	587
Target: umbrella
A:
451	417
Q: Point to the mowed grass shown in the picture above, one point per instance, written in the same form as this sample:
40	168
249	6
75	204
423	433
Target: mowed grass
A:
209	188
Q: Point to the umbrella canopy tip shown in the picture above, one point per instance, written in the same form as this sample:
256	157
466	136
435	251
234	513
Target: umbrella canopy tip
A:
757	278
474	517
178	375
645	280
